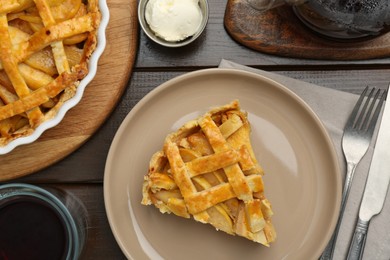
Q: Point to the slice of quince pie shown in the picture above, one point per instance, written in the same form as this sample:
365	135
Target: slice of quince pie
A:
207	170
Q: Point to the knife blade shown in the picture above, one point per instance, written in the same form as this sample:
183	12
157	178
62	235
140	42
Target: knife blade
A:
376	185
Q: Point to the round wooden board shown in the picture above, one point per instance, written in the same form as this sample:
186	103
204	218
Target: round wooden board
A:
100	98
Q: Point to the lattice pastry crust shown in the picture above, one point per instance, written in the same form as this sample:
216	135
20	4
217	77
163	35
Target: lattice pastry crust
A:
207	169
45	47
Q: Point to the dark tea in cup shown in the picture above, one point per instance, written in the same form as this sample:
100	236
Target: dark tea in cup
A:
38	224
28	228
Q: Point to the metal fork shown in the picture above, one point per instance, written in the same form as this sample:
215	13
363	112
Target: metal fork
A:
355	142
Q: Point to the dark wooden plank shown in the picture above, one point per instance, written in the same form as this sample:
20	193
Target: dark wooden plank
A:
101	243
87	163
215	43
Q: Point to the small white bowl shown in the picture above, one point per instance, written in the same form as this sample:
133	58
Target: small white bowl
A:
145	26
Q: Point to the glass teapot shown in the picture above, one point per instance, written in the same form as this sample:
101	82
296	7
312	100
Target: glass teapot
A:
339	19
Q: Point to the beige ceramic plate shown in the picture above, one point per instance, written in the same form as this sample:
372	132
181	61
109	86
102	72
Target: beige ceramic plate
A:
302	176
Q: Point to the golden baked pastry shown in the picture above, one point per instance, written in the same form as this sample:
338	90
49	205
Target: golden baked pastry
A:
45	46
207	169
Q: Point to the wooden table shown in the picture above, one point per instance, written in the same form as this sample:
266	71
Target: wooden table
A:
82	171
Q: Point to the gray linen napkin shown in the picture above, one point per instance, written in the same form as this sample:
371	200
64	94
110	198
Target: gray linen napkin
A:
333	107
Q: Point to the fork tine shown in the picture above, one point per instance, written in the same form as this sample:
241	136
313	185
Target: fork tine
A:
375	116
368	114
352	118
362	113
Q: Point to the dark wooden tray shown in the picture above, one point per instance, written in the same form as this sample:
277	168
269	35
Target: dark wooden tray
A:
280	32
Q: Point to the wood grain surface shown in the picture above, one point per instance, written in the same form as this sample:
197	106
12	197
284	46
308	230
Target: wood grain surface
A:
100	98
280	32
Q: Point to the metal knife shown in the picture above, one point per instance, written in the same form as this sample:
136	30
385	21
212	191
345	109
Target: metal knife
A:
376	186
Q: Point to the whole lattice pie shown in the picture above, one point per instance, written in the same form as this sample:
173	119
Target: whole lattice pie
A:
207	169
45	46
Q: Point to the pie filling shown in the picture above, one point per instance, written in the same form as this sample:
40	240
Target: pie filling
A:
207	169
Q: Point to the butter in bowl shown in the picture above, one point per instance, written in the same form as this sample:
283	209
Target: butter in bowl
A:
173	23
